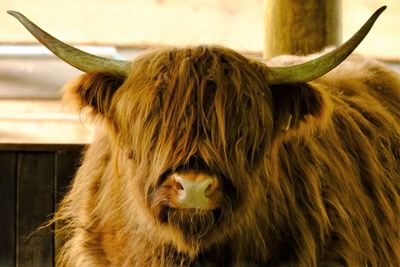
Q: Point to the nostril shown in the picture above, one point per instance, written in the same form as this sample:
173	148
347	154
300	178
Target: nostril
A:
209	190
208	187
178	185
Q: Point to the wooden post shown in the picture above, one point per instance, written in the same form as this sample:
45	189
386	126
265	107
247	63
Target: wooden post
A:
301	27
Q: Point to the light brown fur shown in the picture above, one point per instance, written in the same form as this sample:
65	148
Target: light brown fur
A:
313	168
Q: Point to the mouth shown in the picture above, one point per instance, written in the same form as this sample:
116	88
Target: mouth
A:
192	223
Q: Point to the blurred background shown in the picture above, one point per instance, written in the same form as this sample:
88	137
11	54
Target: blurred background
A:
31	78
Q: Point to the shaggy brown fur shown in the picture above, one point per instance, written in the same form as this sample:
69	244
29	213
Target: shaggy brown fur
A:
310	171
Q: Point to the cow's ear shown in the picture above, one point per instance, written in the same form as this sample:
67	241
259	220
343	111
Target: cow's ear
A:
298	109
93	91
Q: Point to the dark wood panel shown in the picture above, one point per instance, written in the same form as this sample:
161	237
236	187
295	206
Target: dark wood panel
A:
22	147
67	163
7	208
35	204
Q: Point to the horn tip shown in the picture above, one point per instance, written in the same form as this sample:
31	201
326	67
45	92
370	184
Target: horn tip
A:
14	13
381	9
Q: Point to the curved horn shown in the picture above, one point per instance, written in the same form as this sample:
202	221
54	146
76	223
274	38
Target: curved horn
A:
77	58
316	68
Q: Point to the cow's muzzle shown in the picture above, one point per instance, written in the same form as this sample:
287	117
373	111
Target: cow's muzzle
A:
190	189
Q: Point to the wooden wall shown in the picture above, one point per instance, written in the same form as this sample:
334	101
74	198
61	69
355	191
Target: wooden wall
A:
33	180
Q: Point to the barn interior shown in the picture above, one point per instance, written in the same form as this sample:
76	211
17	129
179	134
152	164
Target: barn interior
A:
41	137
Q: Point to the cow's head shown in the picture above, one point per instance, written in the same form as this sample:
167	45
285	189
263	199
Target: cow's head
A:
195	127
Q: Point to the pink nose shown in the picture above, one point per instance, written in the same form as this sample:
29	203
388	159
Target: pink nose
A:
194	190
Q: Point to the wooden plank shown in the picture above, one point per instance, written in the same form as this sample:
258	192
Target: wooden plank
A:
34	78
67	162
35	202
41	121
7	208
